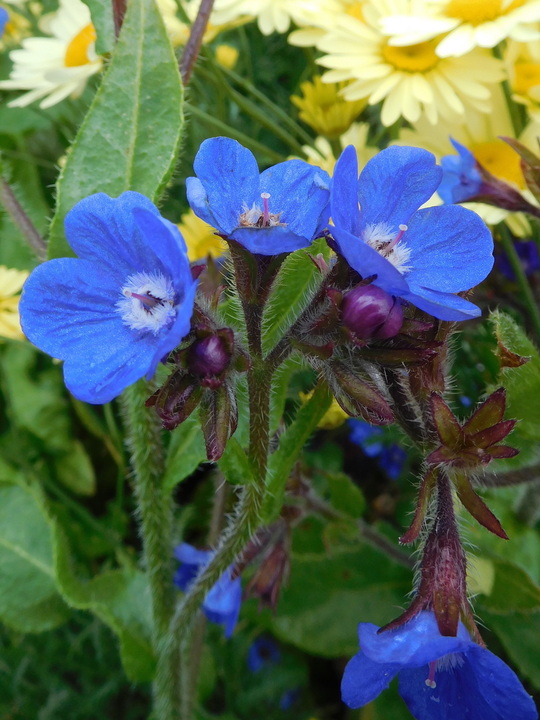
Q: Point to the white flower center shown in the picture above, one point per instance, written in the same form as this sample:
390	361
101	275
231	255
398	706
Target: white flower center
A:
389	244
147	302
255	217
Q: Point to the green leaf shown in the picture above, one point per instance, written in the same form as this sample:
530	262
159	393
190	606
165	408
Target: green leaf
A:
130	137
121	599
345	495
295	285
235	465
328	595
522	386
186	452
292	441
520	636
513	590
29	599
101	12
75	471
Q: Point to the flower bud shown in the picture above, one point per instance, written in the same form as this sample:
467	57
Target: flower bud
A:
370	312
210	356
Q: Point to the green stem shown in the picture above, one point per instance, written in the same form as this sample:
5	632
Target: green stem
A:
521	278
155	515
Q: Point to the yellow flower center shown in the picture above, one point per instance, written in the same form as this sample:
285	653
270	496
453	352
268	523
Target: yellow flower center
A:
499	158
527	75
412	58
77	50
355	11
477	12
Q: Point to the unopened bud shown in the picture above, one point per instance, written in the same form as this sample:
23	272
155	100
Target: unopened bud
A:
370	312
209	356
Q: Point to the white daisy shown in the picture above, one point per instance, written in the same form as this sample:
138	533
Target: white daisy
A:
52	68
411	80
466	24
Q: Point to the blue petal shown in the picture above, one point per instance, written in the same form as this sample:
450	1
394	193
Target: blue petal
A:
444	306
230	177
364	679
461	177
105	230
68	310
451	249
198	201
367	262
500	686
395	183
455	697
415	643
344	195
192	556
222	604
269	240
300	192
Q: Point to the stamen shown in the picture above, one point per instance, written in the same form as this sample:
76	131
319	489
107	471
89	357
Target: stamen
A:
266	211
430	680
148	300
392	245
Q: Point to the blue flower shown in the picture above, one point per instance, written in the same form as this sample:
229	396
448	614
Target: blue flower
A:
440	678
4	17
119	308
281	210
262	653
461	178
391	458
423	256
222	603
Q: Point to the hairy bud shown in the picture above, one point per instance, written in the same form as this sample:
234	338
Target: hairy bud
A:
370	312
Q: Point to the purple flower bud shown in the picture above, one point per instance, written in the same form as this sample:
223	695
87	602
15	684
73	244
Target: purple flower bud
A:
370	312
210	356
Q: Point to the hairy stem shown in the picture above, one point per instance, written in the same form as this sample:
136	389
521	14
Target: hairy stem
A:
154	508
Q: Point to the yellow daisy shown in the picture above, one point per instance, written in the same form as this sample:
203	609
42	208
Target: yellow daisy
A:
52	68
11	282
480	133
465	24
201	239
523	65
322	108
411	81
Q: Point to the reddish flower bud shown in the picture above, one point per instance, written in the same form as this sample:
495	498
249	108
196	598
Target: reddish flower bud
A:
210	356
370	312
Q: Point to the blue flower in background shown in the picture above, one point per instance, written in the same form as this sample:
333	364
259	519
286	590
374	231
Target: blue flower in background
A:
461	178
4	17
222	603
282	209
527	251
423	256
391	458
440	678
262	653
119	308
